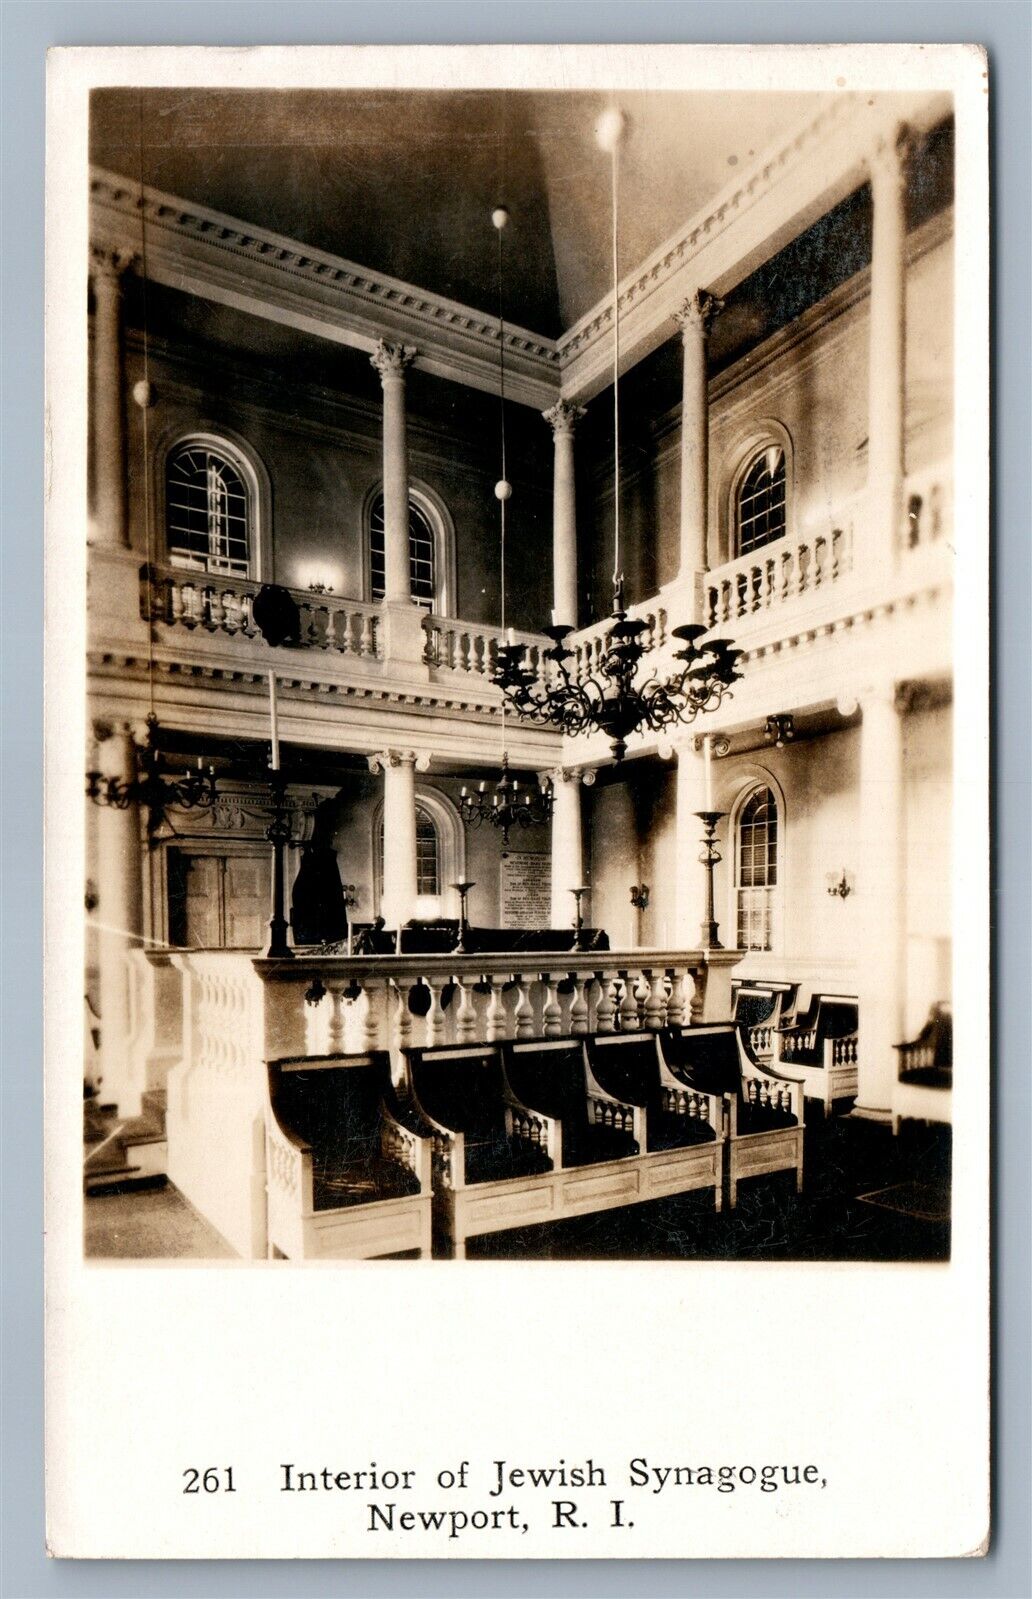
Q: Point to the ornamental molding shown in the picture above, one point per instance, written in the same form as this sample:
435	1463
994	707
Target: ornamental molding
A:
755	215
218	257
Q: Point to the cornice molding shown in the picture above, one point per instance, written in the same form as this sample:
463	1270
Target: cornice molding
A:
221	258
779	195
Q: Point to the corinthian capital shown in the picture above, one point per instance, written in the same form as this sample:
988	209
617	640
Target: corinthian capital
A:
890	158
563	416
109	262
384	758
697	312
391	360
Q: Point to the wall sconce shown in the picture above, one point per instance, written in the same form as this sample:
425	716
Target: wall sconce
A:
839	884
779	730
350	895
640	896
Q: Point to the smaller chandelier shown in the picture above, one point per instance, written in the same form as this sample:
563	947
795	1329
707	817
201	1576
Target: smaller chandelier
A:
157	790
611	700
507	806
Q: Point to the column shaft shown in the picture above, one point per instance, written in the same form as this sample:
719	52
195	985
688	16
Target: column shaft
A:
120	919
110	520
567	846
887	356
563	418
391	362
694	319
882	889
399	838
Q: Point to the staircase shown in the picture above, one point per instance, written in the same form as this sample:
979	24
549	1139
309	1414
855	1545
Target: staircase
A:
124	1152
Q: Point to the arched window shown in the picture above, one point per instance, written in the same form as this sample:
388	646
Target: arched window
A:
428	856
761	500
428	554
756	869
209	509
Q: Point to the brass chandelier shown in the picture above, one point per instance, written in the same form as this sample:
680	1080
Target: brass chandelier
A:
613	699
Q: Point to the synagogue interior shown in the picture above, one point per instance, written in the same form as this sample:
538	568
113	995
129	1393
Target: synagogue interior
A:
518	795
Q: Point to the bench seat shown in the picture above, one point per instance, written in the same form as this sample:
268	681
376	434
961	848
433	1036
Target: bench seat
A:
763	1107
344	1178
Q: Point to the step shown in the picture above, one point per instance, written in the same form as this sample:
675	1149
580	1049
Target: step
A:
127	1182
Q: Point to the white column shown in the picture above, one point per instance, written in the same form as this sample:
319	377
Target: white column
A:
887	355
391	361
119	918
690	902
567	845
109	487
398	902
881	902
563	418
694	319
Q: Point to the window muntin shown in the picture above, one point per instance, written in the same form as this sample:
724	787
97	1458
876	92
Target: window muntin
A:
760	504
756	870
428	855
207	511
422	553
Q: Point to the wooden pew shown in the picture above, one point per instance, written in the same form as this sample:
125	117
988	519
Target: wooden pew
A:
764	1108
345	1180
493	1157
821	1048
548	1075
924	1087
681	1149
526	1134
757	1011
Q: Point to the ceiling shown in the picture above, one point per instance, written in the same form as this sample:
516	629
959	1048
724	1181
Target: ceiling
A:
404	182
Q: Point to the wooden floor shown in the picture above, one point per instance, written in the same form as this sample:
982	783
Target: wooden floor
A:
868	1196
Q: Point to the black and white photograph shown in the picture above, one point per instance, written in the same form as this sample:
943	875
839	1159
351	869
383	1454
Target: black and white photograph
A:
523	529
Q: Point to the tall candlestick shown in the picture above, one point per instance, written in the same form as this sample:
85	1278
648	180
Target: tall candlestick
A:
273	721
707	747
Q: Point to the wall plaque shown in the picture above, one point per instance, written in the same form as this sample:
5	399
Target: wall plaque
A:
525	890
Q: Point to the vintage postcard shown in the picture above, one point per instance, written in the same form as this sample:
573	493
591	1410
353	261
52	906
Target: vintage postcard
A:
517	840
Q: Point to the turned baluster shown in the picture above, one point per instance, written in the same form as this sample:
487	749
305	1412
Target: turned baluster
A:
695	997
466	1018
552	1013
318	1014
606	1013
402	1017
337	1019
656	1002
435	1017
820	550
675	999
524	1013
579	1007
629	1019
189	614
371	1028
496	1019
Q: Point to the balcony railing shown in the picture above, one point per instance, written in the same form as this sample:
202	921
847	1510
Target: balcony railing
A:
471	648
778	574
216	604
778	585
